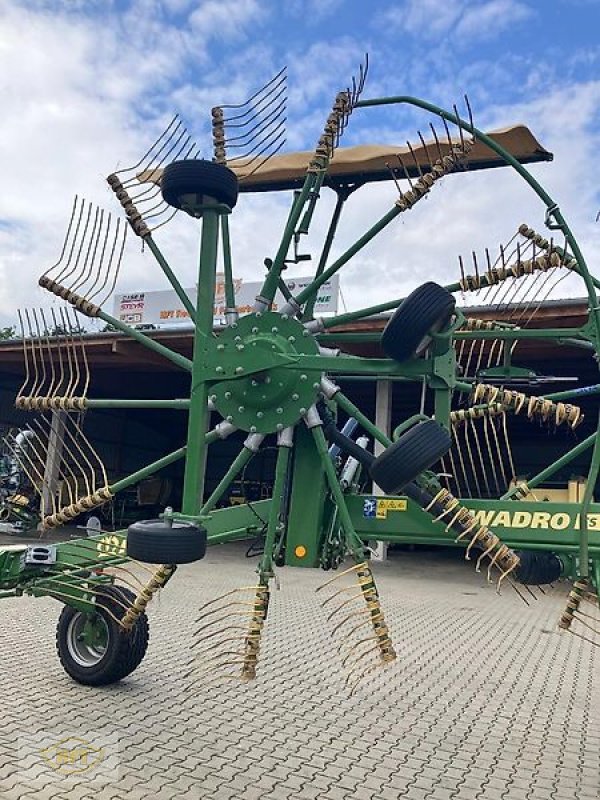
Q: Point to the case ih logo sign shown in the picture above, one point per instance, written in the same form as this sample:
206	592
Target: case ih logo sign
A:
165	308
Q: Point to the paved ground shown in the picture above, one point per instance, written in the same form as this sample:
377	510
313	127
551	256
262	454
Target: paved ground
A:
486	700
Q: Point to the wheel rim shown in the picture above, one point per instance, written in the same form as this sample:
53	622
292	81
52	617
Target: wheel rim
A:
87	639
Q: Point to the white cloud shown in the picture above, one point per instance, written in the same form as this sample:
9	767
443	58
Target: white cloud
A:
434	19
223	19
491	18
88	94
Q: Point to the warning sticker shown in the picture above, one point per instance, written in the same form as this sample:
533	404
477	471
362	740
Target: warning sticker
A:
378	507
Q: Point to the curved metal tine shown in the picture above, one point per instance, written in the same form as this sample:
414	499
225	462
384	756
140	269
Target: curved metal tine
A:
43	445
176	147
494	423
405	170
263	126
89	485
417	165
21	392
469	426
155	208
260	110
217	620
74	452
362	75
86	367
356	664
470	114
156	189
451	144
547	275
454	472
56	332
89	292
426	149
212	634
485	293
353	568
249	136
218	656
64	462
43	458
348	617
67	448
282	140
72	355
102	235
90	257
343	590
348	634
66	239
66	275
437	142
162	155
497	294
355	647
46	329
37	384
460	130
486	422
158	225
117	269
176	119
239	639
92	450
282	74
231	604
458	448
518	284
229	593
357	596
268	141
530	292
74	240
368	671
541	300
20	453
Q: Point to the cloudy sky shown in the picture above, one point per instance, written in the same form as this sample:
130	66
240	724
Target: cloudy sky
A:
88	84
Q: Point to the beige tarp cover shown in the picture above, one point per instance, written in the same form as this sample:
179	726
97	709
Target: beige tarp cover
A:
370	161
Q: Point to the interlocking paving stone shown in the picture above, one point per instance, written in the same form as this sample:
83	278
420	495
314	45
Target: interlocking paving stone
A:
486	700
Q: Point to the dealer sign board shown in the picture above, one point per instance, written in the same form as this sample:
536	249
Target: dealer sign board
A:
165	308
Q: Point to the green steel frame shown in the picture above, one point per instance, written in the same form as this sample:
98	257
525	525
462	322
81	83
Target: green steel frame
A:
264	374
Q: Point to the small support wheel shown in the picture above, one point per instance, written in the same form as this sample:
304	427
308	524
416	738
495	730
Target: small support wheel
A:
426	311
415	451
186	184
93	648
154	541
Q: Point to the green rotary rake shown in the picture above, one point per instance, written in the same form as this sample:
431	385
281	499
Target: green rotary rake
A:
271	376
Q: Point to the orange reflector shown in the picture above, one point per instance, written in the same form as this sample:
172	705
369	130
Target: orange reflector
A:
300	551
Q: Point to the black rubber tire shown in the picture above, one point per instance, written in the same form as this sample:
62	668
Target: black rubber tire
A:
154	542
201	178
538	567
125	649
415	451
428	309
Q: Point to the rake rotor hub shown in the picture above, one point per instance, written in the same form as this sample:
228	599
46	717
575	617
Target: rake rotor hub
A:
276	396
